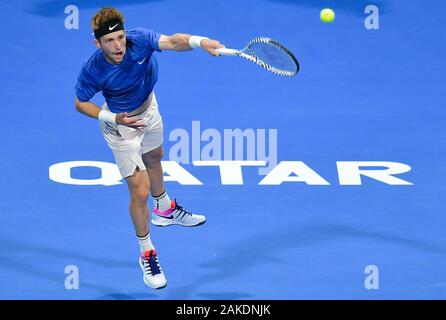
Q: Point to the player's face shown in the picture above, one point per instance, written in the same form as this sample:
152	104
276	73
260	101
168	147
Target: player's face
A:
114	45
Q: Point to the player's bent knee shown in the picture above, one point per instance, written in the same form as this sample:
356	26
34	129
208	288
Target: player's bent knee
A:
156	155
140	195
153	157
139	186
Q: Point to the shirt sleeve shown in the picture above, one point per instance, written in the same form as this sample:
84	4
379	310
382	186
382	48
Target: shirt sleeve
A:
86	87
151	38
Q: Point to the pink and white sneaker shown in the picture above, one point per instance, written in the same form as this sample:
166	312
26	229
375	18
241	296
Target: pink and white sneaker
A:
153	275
176	215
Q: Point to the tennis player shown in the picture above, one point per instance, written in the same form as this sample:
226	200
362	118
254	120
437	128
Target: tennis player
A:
125	69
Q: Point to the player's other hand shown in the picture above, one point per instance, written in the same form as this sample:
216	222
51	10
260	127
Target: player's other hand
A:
210	46
133	122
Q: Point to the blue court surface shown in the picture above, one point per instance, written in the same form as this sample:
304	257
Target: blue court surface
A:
364	102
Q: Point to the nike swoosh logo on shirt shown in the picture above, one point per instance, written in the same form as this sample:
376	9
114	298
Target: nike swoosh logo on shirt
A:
111	28
140	62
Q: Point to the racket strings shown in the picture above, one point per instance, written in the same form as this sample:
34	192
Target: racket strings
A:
271	55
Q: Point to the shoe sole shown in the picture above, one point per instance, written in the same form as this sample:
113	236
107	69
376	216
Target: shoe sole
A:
147	283
177	224
156	288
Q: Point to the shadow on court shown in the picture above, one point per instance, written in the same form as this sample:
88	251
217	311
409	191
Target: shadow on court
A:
15	245
29	267
124	296
56	7
240	256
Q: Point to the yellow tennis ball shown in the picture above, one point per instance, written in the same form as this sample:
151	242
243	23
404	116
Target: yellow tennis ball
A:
327	15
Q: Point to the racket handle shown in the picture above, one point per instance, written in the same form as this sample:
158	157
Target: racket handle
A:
227	52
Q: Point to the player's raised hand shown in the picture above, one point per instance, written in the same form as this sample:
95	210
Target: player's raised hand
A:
133	122
210	46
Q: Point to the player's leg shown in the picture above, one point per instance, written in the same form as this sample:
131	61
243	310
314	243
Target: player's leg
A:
125	144
165	212
139	186
152	161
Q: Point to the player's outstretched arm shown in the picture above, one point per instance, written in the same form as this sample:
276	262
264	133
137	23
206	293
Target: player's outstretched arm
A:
185	42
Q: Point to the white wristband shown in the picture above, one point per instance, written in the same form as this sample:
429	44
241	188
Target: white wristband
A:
107	116
195	41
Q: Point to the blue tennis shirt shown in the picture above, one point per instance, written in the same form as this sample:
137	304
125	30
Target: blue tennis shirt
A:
124	86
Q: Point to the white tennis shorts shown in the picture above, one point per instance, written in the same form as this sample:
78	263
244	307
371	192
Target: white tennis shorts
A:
129	144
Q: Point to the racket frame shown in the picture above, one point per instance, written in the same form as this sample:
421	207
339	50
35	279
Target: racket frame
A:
253	58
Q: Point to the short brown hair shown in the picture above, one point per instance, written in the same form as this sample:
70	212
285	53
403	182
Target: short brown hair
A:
104	15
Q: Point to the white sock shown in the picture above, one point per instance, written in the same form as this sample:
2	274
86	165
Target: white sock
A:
161	202
145	243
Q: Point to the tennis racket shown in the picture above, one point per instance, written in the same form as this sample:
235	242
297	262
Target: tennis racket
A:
268	54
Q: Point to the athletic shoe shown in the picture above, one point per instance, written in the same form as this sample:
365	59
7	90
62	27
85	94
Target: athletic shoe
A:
176	215
153	275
